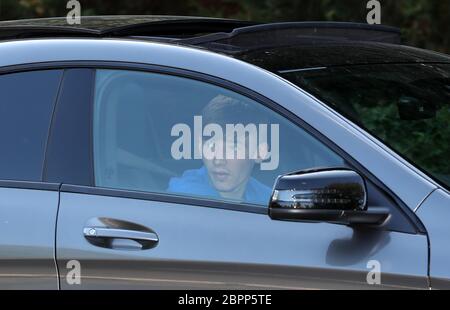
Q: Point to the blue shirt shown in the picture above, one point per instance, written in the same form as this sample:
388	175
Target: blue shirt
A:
196	182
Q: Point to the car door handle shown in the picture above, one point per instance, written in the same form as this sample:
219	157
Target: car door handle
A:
97	232
107	237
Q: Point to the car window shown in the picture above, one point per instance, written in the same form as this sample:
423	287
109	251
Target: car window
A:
26	106
407	106
179	136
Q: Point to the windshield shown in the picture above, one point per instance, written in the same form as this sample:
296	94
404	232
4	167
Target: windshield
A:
407	106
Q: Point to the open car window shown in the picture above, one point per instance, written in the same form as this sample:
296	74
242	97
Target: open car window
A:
161	133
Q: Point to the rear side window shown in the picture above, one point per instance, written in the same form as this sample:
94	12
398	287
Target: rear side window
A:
407	106
26	105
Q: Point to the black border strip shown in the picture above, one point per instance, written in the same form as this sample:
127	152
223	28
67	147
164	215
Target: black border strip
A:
121	65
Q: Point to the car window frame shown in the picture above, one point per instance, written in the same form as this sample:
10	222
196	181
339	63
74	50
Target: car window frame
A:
417	226
36	184
72	162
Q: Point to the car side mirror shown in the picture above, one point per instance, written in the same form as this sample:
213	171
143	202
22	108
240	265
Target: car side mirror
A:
335	195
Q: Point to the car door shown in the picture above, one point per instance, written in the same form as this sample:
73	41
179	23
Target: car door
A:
28	206
434	212
147	202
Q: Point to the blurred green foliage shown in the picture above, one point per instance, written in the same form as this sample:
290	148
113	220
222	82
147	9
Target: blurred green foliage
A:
405	106
424	142
425	23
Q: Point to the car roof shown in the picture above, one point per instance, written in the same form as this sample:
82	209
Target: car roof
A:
273	46
104	22
118	26
198	30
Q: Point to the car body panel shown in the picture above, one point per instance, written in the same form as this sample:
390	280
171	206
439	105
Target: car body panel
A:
408	183
27	238
435	214
203	247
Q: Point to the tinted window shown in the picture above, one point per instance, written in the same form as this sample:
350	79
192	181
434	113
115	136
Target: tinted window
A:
26	105
69	151
406	106
173	135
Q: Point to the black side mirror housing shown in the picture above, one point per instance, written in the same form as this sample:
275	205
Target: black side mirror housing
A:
336	195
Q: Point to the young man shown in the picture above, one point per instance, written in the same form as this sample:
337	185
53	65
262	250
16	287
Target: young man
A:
227	174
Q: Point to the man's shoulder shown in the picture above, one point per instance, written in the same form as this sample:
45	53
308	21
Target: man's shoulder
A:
257	191
188	179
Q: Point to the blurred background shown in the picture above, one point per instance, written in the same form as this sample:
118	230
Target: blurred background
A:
424	23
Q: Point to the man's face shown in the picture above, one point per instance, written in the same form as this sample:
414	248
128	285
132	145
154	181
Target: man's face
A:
230	176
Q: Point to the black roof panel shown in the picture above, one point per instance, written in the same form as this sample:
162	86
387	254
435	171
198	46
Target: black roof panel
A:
119	26
337	54
98	23
274	46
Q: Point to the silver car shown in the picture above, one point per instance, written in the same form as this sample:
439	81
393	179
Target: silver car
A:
150	152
